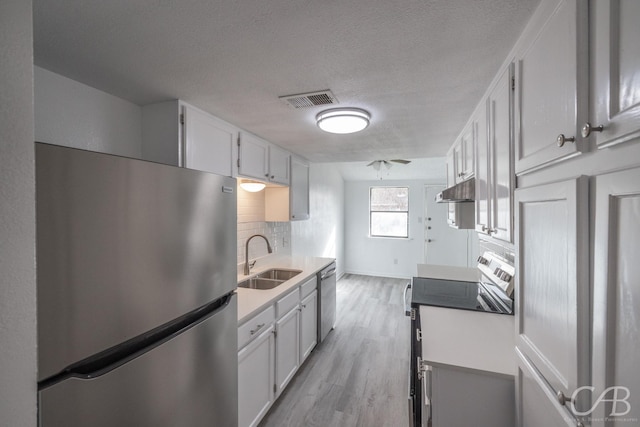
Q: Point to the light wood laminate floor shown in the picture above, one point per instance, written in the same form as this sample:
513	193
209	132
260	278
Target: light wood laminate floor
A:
358	376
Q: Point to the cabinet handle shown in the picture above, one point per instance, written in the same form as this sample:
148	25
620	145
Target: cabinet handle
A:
587	129
485	228
561	139
253	331
267	175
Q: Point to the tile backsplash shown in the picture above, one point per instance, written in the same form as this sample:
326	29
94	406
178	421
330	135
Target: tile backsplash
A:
251	221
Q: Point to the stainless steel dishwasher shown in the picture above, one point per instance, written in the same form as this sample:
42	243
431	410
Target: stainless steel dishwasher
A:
326	300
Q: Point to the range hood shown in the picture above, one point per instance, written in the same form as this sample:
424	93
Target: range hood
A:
464	191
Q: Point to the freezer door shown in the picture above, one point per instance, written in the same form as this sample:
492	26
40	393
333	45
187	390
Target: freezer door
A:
123	246
190	380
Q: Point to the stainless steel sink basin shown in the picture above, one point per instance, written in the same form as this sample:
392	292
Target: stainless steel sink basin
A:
279	274
260	283
269	279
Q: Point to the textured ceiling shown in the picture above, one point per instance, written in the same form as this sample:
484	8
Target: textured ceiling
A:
418	66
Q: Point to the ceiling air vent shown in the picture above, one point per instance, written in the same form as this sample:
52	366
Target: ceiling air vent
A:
311	99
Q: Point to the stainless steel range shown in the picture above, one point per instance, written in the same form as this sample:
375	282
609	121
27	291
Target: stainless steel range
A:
492	294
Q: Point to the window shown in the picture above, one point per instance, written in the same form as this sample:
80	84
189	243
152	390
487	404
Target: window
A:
389	212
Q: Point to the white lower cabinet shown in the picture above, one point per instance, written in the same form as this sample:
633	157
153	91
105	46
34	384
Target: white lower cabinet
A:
308	325
616	299
552	294
287	348
256	373
273	344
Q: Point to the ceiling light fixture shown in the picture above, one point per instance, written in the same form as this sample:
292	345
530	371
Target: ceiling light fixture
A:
252	186
343	120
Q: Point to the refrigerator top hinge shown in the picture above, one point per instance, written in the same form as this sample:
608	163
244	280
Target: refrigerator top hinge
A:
181	119
418	335
413	314
513	83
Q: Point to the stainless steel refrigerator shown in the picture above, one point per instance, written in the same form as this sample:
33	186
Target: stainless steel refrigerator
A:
136	293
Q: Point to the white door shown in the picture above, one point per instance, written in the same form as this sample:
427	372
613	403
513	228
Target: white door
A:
616	299
616	71
287	348
443	245
552	286
256	367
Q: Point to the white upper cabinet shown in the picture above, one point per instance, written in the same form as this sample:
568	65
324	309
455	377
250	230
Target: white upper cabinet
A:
261	160
279	170
299	190
465	156
253	156
616	71
209	142
616	299
178	134
552	287
552	95
494	161
460	158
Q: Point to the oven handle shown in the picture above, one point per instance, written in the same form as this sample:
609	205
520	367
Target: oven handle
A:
407	304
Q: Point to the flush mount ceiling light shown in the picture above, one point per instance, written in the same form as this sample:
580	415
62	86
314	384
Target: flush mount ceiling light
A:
252	186
343	120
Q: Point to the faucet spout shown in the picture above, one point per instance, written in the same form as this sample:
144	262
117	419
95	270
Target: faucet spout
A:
246	252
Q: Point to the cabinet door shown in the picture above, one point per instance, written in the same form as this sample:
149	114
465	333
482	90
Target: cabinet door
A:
255	379
616	300
616	71
552	294
458	162
287	348
451	167
299	190
209	142
279	165
308	325
553	88
536	403
482	170
253	157
501	179
466	154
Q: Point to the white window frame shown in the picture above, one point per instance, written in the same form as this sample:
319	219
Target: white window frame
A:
371	211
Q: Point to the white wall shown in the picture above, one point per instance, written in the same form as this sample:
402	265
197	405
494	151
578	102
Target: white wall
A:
18	364
322	235
75	115
377	256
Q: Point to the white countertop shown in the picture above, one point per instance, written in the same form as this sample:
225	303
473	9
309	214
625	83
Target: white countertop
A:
251	301
463	338
448	272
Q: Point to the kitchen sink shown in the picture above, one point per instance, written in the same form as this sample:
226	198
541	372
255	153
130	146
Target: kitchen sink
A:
278	274
269	279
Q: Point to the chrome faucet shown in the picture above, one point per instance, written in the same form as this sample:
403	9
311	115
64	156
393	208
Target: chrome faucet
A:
246	252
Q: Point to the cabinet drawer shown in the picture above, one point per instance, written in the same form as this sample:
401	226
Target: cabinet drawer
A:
255	325
308	287
285	304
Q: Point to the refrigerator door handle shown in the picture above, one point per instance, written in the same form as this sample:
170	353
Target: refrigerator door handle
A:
116	356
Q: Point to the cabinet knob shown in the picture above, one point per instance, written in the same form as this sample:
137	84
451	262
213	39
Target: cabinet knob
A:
562	399
272	176
267	175
429	240
561	139
587	129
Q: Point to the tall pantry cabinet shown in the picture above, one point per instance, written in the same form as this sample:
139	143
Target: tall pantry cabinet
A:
577	213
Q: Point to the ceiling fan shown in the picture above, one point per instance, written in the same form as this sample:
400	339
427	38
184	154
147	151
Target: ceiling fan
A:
377	164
